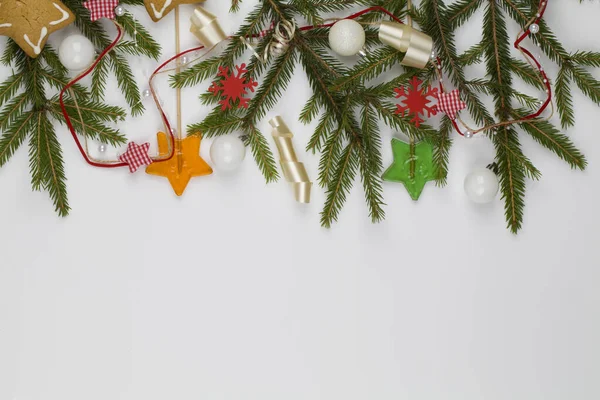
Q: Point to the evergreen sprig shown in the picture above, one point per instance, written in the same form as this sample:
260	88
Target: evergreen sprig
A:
348	108
137	42
26	111
502	68
349	146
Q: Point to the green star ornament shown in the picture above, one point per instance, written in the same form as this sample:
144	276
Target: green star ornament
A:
413	166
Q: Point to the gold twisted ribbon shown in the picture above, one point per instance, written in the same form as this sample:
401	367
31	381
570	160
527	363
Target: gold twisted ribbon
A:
417	45
206	28
293	170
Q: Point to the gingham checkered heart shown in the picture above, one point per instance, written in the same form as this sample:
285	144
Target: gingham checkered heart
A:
101	8
136	156
450	103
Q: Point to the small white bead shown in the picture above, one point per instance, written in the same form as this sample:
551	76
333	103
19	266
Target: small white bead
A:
184	60
534	28
468	135
433	55
146	93
120	11
481	185
102	148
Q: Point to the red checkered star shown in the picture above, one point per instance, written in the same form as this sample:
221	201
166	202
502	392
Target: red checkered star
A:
101	8
450	103
136	156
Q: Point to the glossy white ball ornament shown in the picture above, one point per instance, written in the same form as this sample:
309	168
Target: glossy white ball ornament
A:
347	37
76	52
481	185
227	153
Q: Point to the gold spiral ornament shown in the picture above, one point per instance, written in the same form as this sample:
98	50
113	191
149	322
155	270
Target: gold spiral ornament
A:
206	28
293	170
282	36
417	45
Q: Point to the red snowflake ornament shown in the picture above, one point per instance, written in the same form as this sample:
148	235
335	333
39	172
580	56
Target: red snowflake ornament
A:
233	87
416	101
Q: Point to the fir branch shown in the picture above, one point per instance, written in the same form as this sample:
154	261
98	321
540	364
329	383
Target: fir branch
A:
441	151
371	66
143	43
217	123
126	82
261	152
586	58
511	177
459	12
272	87
14	136
99	79
341	183
548	136
564	98
526	73
12	110
472	55
51	166
197	73
371	164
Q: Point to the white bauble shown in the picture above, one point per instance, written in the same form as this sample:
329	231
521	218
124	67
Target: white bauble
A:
227	153
347	37
481	185
76	52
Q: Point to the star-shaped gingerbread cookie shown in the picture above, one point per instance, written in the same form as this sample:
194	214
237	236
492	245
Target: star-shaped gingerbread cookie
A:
159	8
30	22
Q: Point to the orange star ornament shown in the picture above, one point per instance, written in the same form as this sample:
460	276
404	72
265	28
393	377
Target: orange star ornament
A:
159	8
30	22
185	164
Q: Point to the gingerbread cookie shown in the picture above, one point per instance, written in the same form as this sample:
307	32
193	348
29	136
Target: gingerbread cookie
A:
30	22
159	8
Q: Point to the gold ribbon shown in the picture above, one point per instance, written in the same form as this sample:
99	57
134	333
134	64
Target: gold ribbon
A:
417	45
206	27
293	170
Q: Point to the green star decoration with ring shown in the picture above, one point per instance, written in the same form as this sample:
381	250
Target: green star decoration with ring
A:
413	166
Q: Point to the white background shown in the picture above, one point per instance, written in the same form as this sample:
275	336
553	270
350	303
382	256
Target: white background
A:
235	292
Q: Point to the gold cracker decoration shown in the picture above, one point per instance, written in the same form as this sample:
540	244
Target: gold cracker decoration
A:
30	22
157	9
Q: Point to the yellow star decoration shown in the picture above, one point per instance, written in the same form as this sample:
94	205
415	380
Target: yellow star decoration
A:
30	22
185	164
157	9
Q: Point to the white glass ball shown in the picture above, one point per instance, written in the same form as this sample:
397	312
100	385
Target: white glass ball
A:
481	185
227	153
347	37
76	52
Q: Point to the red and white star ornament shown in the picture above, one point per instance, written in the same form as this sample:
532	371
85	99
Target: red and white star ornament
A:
450	103
101	8
136	156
